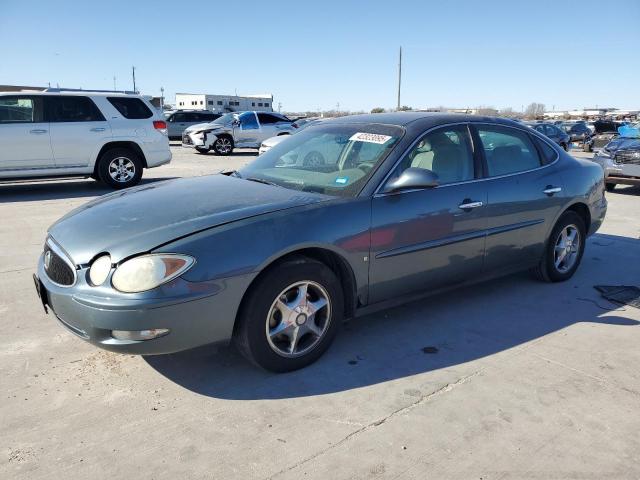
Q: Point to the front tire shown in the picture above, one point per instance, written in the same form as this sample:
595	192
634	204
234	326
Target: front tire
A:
564	249
202	150
223	145
290	316
120	168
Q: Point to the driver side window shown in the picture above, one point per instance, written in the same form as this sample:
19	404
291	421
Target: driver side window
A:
447	152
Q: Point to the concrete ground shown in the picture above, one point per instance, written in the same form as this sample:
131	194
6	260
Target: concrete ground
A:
509	379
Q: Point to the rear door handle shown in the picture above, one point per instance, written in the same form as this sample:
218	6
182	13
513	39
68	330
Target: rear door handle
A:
550	190
98	129
468	205
38	131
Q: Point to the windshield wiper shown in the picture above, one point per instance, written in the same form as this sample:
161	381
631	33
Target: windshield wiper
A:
261	180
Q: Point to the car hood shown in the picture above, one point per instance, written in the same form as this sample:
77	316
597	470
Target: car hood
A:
273	141
202	126
142	218
623	143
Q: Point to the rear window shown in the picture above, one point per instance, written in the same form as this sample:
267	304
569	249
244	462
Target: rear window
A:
132	108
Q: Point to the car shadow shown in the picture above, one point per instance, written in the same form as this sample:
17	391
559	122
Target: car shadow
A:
626	190
439	332
29	191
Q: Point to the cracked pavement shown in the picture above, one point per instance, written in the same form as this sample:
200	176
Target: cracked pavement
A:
504	380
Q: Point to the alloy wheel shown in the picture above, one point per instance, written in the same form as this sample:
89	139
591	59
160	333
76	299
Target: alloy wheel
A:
298	319
223	145
122	169
567	249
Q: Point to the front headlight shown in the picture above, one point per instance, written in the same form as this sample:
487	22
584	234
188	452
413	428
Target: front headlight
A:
99	270
150	271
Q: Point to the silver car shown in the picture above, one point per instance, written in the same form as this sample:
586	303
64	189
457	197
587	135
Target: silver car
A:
238	129
178	121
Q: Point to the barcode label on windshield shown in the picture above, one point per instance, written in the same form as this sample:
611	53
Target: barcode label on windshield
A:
370	137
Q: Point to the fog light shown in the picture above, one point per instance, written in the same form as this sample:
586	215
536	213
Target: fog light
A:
138	335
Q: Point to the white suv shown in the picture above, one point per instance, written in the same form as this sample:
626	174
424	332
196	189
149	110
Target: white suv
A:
110	137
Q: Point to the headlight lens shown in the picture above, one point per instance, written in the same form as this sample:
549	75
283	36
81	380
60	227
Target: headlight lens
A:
100	269
150	271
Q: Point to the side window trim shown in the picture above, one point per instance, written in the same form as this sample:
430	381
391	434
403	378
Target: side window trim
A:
543	163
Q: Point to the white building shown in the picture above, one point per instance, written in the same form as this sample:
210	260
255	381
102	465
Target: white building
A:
223	103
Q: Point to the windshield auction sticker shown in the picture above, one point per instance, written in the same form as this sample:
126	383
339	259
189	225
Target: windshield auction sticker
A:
370	138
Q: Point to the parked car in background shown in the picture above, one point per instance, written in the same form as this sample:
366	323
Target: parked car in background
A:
110	137
276	255
273	141
578	133
620	159
236	130
180	120
553	132
604	132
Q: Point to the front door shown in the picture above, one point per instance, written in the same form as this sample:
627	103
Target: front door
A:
247	134
429	238
78	130
24	135
524	196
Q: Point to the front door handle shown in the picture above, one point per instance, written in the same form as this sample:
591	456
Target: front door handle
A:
550	190
468	205
98	129
38	131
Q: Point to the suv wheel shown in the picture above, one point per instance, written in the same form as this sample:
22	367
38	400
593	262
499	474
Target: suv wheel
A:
223	145
290	316
202	150
564	249
120	168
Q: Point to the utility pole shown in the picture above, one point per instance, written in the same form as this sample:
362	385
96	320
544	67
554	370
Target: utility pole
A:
114	84
279	107
133	73
162	99
399	76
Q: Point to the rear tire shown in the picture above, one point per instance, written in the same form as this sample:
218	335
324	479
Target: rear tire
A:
280	327
202	150
562	254
610	187
120	168
223	145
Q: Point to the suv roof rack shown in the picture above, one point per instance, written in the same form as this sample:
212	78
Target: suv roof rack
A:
92	90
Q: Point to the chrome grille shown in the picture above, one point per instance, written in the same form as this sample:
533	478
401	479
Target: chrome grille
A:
58	269
627	157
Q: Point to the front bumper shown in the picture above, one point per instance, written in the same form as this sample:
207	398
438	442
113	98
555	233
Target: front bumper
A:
198	140
202	313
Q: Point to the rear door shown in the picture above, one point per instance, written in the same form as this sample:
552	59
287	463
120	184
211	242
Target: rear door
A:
272	125
24	134
78	130
524	193
433	237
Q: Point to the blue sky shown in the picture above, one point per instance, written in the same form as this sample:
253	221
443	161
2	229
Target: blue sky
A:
317	54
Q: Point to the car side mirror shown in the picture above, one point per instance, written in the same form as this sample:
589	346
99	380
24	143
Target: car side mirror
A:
412	178
236	123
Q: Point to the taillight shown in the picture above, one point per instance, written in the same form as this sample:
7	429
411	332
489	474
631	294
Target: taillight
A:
159	125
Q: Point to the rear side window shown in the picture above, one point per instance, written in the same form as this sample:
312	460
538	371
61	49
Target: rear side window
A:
132	108
507	150
549	155
266	118
73	109
20	109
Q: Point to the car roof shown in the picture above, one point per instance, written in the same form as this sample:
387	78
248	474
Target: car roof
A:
426	119
83	93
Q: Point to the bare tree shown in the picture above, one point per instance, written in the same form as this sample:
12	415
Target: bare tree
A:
534	111
377	110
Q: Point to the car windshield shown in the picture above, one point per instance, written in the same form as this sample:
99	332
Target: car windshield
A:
334	159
